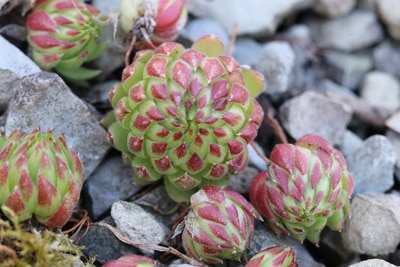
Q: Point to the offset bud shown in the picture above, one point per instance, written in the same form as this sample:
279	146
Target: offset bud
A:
218	226
39	176
274	256
186	115
131	261
157	20
63	35
305	188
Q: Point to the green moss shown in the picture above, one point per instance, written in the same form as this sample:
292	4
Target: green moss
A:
20	247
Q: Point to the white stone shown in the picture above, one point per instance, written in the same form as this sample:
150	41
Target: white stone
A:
255	17
374	225
13	59
382	90
334	8
373	263
137	225
389	12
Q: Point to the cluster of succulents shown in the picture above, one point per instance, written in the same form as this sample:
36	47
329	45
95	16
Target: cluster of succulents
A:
40	176
63	35
305	188
152	22
186	115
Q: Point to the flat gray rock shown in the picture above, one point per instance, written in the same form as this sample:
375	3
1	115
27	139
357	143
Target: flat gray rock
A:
372	165
44	100
386	58
347	33
137	225
373	263
389	12
333	9
374	225
247	17
13	59
312	112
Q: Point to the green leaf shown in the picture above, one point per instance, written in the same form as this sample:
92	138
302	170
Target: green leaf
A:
254	81
77	75
210	45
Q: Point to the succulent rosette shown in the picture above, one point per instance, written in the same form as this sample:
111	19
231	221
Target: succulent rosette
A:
40	176
219	225
306	187
131	261
185	115
157	20
274	256
63	35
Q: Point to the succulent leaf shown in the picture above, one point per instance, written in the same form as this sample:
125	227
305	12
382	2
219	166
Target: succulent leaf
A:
131	260
274	256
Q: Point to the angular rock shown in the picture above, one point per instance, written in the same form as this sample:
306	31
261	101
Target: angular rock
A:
374	225
247	51
394	138
13	59
333	9
263	238
381	89
241	182
137	225
389	12
44	100
111	181
247	17
196	28
372	263
276	62
372	165
347	69
312	112
386	58
8	84
160	206
102	243
347	33
350	143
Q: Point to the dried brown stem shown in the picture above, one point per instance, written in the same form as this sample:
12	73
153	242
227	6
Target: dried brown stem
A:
9	251
276	127
232	41
78	224
129	50
261	155
171	250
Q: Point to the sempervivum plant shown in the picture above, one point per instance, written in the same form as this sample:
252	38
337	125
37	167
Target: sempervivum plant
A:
131	261
305	188
63	35
219	225
274	256
185	115
40	176
153	21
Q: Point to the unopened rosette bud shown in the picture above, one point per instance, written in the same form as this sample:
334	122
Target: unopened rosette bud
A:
131	261
40	176
153	22
306	187
63	35
219	225
274	256
186	115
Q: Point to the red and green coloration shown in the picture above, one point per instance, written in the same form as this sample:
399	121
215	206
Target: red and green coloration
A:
274	256
185	115
219	225
132	261
63	35
39	175
157	20
305	188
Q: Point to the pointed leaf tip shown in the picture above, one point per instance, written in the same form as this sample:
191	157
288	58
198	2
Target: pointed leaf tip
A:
210	45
